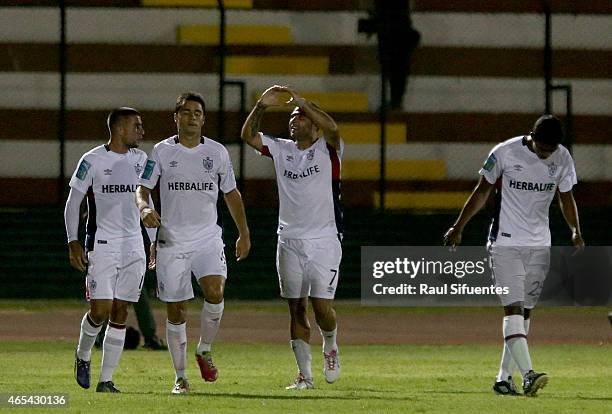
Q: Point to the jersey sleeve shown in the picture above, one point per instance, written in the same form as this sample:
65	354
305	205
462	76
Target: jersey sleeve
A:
82	178
492	168
568	176
152	171
339	151
227	180
270	146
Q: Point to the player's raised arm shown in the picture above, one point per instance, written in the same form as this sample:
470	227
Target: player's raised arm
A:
233	199
148	215
319	117
474	203
251	127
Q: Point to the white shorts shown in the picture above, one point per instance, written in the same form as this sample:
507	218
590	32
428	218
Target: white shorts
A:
174	269
308	267
115	275
522	270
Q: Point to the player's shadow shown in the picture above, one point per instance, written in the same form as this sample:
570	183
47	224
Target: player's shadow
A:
290	395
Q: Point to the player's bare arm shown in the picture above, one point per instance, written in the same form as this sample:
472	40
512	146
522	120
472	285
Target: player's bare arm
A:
567	203
148	215
233	199
473	205
319	117
250	130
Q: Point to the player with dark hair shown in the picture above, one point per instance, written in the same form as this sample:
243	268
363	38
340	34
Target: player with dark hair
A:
526	172
309	228
191	169
114	255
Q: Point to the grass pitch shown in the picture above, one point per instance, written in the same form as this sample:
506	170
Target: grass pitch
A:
375	378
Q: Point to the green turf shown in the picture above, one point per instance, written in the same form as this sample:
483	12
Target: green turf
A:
391	378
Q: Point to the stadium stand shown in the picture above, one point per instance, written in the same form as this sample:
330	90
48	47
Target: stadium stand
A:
476	80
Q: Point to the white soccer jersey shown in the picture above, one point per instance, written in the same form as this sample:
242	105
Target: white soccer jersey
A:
308	187
525	188
110	180
189	183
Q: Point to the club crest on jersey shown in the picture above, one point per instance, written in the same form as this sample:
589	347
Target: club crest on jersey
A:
552	170
310	155
92	285
208	163
138	169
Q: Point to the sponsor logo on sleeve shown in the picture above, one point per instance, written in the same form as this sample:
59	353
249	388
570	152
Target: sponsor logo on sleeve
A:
148	170
490	163
82	170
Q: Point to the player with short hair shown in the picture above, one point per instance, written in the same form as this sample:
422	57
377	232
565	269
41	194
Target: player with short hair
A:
526	172
191	169
114	254
309	230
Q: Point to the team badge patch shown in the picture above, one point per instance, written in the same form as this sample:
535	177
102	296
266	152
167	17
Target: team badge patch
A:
82	170
208	164
490	163
552	170
138	169
310	155
148	170
92	285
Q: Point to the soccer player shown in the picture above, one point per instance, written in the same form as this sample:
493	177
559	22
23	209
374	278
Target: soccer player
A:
191	170
526	172
309	230
114	254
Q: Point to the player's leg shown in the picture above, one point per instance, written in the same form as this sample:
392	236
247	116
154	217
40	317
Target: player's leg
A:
299	328
537	263
210	268
210	319
295	288
146	322
99	286
127	288
174	288
91	325
324	256
112	347
508	273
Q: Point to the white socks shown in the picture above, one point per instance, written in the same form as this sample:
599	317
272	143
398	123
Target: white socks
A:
508	366
176	337
87	338
301	350
329	340
111	350
516	341
210	320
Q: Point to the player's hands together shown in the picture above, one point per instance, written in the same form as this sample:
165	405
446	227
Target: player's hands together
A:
273	96
152	256
243	246
452	237
296	98
77	256
150	218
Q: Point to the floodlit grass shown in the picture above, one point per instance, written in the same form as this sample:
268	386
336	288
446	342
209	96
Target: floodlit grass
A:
375	379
